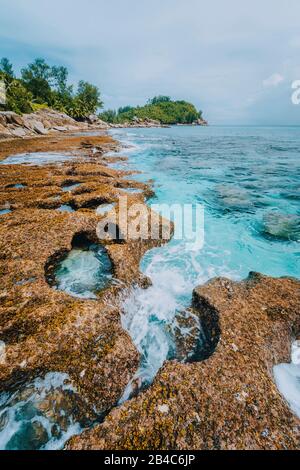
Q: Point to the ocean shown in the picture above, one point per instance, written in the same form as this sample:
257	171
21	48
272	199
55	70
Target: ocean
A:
247	179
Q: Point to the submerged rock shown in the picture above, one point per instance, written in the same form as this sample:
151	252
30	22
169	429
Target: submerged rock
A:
282	226
233	198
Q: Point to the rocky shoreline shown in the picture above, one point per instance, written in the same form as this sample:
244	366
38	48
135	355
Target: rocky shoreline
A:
223	399
50	122
228	401
43	329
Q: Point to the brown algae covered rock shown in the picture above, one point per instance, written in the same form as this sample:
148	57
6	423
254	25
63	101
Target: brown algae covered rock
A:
44	328
229	400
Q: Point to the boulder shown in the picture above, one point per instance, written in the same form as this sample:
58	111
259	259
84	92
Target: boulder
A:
17	119
9	117
38	127
19	132
92	119
4	131
2	120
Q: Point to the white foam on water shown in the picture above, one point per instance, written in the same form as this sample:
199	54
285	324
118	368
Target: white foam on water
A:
22	410
287	379
296	352
36	158
149	315
84	272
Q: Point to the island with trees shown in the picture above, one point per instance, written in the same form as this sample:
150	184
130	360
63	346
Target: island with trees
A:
42	86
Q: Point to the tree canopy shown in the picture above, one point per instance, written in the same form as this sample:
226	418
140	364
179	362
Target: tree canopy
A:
160	108
43	85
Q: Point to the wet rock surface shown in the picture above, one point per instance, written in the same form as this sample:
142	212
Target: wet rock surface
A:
43	122
43	329
41	413
229	400
281	226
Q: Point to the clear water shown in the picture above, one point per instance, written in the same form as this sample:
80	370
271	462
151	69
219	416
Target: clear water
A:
248	180
65	208
84	272
4	211
36	158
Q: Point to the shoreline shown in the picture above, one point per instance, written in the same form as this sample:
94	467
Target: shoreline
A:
45	326
48	122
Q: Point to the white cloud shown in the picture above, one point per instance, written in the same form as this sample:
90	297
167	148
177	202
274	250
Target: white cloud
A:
274	80
215	54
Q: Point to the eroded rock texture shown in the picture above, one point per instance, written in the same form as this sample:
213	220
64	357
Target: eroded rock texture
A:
228	401
43	329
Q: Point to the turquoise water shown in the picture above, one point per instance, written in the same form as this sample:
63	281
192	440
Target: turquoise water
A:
248	181
247	178
84	271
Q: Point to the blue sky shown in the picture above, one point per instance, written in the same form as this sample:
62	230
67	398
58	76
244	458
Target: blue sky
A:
235	60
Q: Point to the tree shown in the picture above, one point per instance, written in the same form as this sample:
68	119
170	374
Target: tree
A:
160	108
108	116
36	77
18	98
6	67
89	95
159	99
59	78
125	109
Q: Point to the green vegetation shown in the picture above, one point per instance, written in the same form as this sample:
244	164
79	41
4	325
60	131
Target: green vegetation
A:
160	108
41	85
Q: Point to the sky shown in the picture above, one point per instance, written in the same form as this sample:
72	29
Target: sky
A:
235	60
